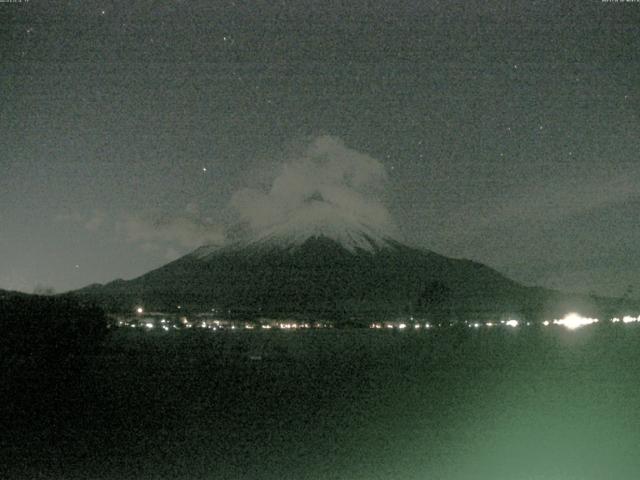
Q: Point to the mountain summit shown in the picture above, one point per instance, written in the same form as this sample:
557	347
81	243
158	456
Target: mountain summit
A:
347	233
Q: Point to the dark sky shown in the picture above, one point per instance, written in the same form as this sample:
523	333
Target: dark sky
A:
510	130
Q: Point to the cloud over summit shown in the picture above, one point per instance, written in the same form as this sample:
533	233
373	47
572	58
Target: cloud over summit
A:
327	185
325	188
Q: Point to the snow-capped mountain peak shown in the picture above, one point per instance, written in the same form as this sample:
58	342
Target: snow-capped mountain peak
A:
350	233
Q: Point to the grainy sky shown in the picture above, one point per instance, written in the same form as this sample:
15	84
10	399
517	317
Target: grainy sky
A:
509	131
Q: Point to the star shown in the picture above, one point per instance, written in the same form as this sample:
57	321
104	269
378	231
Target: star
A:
204	169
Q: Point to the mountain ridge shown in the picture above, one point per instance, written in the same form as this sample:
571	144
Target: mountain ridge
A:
320	277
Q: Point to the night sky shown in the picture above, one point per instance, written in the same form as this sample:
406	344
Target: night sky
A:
509	131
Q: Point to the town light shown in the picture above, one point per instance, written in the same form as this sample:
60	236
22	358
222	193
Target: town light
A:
574	320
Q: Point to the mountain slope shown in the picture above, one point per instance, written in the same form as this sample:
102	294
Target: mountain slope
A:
333	277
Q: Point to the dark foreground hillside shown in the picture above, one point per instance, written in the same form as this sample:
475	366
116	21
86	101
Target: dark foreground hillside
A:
46	344
48	328
456	404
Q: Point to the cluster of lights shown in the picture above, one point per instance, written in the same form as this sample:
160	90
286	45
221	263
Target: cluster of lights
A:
290	326
626	319
150	321
401	326
571	321
574	320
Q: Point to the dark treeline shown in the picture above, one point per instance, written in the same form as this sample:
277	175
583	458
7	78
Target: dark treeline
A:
46	351
49	327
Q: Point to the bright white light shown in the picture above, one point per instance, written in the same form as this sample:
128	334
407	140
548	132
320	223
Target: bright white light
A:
615	320
546	323
416	326
149	325
140	310
629	319
165	328
476	325
511	323
266	327
489	324
574	320
402	325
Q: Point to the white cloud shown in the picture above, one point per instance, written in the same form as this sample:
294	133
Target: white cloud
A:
170	233
328	181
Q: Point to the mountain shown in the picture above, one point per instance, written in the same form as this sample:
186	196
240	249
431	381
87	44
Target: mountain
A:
347	270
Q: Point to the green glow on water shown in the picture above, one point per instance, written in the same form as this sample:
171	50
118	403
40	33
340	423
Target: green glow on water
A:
495	404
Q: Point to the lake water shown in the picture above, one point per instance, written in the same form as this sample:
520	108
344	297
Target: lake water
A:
512	404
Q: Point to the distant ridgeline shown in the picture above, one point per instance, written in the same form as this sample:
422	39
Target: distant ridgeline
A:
51	326
321	277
